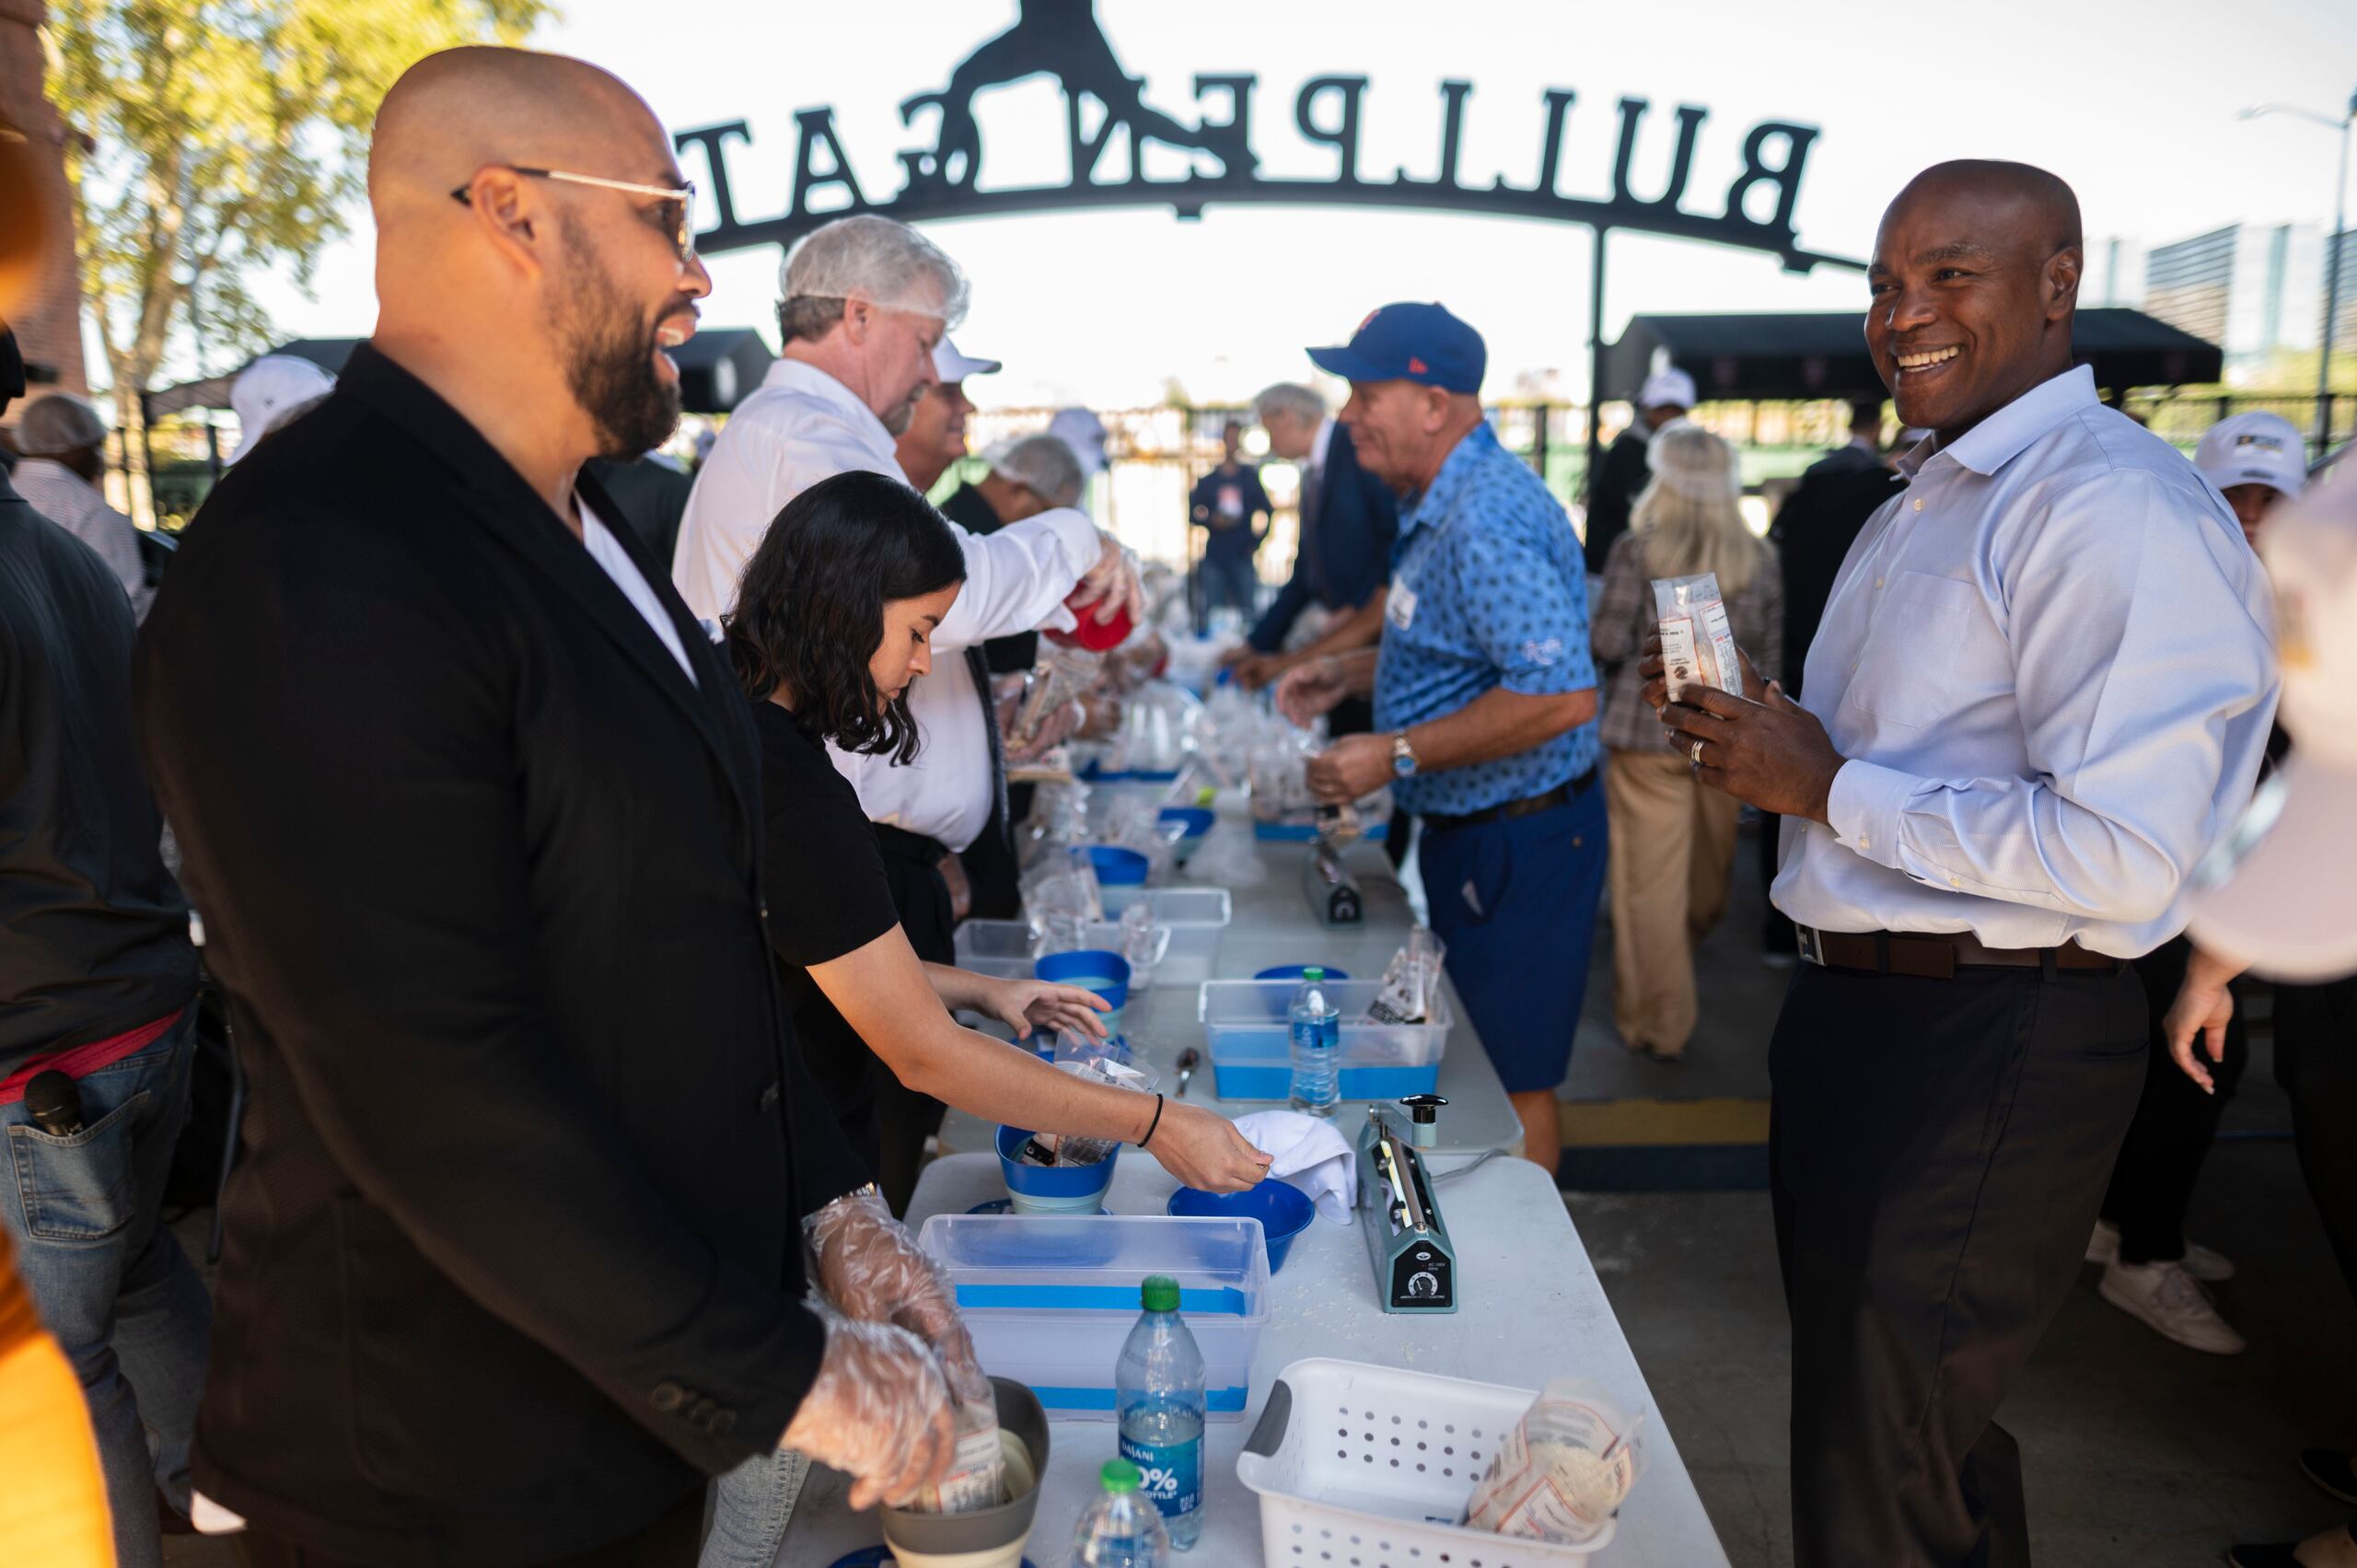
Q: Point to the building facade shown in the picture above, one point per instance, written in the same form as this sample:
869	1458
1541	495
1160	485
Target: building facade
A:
48	321
2256	291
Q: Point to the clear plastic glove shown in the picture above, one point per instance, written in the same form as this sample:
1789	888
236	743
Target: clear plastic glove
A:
880	1412
1203	1150
1061	724
1111	586
1309	690
870	1268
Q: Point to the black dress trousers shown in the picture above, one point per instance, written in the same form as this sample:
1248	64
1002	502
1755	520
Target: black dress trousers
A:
2175	1123
2315	1060
1939	1151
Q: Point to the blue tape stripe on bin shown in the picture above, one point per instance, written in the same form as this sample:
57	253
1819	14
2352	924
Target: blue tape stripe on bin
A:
1223	1401
1273	1080
1219	1301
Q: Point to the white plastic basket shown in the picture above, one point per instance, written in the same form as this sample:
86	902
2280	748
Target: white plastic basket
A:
1371	1465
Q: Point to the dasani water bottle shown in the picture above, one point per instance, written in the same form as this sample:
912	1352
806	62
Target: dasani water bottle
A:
1121	1529
1158	1394
1315	1025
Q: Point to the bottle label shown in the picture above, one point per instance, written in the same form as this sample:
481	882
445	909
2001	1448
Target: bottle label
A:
1172	1472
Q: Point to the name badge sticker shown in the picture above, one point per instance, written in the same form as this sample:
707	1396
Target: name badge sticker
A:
1399	607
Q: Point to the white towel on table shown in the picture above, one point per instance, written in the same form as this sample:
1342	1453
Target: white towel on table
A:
1309	1152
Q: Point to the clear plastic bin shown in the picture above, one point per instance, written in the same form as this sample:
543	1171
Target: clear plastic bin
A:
1050	1300
1196	917
1245	1033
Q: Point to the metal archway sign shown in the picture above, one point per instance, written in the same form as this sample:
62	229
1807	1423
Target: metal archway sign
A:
1064	40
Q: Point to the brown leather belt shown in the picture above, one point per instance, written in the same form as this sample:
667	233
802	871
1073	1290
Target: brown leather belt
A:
1930	956
1528	806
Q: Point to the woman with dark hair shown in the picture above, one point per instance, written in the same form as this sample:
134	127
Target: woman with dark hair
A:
833	622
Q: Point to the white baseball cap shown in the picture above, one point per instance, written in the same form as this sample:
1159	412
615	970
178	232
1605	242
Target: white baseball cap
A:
2280	894
2253	448
1667	389
953	366
1084	434
269	386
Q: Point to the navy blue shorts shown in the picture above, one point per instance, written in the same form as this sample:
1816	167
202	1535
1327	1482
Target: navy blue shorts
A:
1515	901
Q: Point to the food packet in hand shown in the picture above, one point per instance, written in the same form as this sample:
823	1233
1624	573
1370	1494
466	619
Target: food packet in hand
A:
1697	643
977	1475
1563	1470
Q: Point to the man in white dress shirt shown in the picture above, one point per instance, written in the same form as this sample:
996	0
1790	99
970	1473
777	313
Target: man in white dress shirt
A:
2038	696
864	303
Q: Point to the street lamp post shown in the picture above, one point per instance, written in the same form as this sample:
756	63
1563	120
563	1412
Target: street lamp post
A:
2332	247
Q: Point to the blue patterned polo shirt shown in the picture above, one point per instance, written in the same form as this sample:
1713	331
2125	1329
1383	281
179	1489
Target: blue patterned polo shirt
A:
1488	588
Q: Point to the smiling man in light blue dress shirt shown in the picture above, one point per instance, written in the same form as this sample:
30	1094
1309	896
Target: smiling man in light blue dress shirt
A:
2039	695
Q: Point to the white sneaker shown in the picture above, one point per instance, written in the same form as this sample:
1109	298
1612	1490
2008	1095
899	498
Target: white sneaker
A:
2172	1304
2210	1268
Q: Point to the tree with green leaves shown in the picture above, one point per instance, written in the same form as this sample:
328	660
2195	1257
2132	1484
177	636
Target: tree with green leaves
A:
219	139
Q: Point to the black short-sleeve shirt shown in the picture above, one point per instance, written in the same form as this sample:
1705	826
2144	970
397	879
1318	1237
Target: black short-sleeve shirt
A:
827	896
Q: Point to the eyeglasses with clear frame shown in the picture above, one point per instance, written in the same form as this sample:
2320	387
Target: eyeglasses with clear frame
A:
683	237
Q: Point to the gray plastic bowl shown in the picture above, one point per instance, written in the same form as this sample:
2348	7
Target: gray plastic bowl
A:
986	1529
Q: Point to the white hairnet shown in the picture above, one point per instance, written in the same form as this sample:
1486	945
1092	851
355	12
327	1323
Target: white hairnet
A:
1045	464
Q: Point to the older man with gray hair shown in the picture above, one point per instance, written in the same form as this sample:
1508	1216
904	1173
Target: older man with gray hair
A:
1348	521
864	303
63	442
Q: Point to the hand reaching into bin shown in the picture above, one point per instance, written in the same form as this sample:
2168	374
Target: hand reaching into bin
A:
878	1411
1203	1150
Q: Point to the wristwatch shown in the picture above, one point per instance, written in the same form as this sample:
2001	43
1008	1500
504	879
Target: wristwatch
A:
1403	757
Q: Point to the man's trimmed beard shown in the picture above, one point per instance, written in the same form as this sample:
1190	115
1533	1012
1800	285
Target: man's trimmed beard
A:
608	351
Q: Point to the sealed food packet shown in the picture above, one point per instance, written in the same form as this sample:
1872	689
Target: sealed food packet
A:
1697	643
977	1474
1563	1470
1408	981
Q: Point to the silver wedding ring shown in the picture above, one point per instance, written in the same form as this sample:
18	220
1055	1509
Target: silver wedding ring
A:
1695	755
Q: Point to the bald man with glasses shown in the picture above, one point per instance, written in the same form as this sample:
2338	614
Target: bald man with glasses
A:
470	805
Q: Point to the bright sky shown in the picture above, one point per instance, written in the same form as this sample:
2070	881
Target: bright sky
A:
2134	102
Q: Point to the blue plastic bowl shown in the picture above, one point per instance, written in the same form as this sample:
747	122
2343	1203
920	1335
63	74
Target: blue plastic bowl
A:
1093	969
1197	822
1052	1189
1284	1209
1301	972
1120	875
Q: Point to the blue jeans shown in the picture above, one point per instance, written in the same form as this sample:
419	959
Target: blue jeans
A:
111	1281
753	1503
1229	581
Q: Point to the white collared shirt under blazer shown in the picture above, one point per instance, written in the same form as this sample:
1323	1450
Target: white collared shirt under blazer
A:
801	426
2050	659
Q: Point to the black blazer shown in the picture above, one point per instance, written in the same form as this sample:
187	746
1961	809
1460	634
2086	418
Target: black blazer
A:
1345	551
513	1258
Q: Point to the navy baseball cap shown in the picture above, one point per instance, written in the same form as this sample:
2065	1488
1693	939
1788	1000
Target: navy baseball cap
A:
1409	343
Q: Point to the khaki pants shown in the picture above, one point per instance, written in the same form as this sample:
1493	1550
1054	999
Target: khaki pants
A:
1673	846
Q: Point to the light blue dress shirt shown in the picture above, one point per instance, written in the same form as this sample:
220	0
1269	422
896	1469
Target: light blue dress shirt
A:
2049	660
1488	590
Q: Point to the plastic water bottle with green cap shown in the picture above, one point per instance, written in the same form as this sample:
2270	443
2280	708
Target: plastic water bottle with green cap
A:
1315	1026
1122	1529
1158	1395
